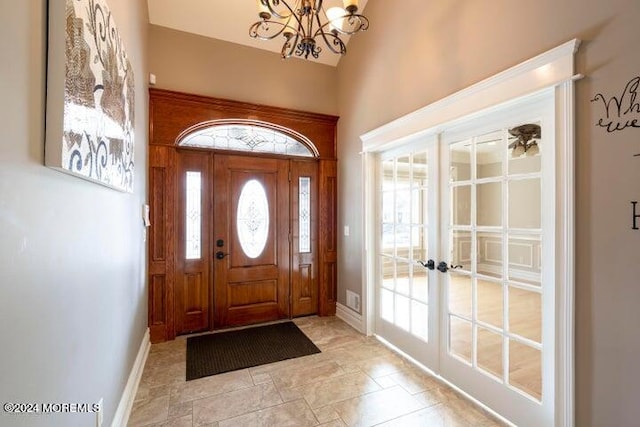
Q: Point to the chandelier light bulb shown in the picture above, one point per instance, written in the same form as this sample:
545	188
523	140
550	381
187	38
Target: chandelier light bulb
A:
333	15
350	6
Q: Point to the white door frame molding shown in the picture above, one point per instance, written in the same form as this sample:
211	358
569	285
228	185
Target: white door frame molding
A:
552	69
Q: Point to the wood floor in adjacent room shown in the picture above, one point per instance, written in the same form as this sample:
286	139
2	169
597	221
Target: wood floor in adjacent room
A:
354	381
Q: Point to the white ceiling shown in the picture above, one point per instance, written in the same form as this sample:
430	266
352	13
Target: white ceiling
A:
227	20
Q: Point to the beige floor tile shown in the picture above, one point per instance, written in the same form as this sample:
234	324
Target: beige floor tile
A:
235	403
382	365
294	377
180	409
336	389
411	379
150	411
377	407
211	386
291	414
326	414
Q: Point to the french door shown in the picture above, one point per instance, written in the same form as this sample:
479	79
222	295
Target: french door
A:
466	258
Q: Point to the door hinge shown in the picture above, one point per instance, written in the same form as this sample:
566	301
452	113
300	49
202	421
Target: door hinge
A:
289	176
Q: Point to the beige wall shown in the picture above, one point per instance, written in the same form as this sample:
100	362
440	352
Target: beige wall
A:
411	59
194	64
73	299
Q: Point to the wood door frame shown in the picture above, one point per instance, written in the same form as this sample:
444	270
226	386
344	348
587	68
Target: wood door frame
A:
170	114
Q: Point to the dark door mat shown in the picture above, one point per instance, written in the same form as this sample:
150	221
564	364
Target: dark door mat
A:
220	352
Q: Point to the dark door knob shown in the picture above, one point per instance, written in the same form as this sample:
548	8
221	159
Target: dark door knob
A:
444	267
431	264
220	255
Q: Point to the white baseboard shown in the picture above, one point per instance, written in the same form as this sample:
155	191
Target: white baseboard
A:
350	317
129	394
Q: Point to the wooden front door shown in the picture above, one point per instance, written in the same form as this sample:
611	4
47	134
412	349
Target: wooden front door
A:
250	240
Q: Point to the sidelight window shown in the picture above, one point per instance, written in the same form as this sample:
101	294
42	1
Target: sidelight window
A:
193	215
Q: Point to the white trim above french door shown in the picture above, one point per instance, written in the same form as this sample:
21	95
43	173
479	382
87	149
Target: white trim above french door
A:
547	78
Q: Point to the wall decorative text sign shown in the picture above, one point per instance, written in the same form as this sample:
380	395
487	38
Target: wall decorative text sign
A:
621	111
90	95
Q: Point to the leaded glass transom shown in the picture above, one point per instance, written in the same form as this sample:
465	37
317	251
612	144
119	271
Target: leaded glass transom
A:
252	218
248	138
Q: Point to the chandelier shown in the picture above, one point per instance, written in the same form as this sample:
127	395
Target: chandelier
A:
306	24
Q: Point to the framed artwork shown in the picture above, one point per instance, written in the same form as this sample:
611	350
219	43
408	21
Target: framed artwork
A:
90	95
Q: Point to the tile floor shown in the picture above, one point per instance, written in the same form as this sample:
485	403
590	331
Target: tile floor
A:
355	381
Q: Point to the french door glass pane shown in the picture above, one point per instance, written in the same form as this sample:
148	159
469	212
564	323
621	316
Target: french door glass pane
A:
460	169
403	277
460	338
490	150
490	351
461	249
489	204
490	302
460	295
461	205
388	272
420	285
490	254
525	313
420	320
525	368
528	163
525	264
386	305
524	203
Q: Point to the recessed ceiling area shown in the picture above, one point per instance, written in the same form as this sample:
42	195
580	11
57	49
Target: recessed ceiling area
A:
228	20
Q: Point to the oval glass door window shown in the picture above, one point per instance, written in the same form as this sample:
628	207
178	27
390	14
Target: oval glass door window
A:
252	218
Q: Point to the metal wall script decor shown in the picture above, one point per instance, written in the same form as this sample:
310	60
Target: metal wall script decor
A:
90	95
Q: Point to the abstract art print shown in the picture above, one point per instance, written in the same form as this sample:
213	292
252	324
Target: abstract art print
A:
90	95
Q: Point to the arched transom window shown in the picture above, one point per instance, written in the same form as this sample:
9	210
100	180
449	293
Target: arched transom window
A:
248	136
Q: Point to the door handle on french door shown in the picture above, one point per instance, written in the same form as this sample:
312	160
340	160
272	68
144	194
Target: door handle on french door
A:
444	267
221	255
431	264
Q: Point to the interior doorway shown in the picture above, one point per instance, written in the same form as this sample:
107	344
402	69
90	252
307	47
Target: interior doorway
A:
465	284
